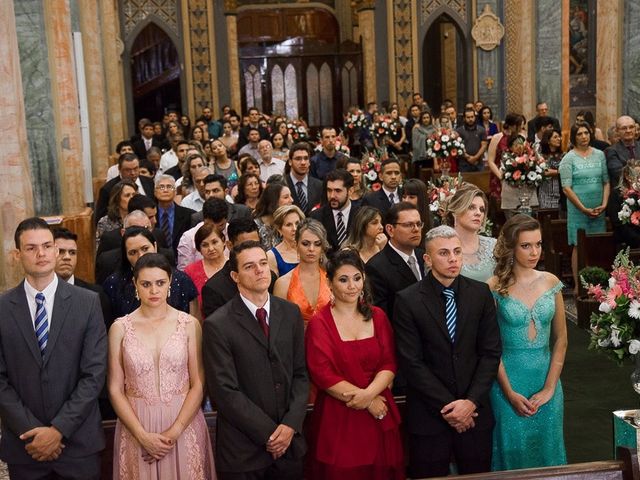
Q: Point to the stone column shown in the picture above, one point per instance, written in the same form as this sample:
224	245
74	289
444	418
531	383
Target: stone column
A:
112	48
549	52
16	195
90	27
64	95
519	60
366	23
628	23
234	62
609	65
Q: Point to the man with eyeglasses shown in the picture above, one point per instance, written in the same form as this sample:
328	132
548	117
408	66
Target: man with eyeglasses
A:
626	148
173	219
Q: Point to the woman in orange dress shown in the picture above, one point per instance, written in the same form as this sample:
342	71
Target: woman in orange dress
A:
306	285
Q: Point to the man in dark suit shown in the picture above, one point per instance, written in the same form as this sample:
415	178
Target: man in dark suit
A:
147	139
620	152
255	368
448	344
389	194
53	361
173	219
389	271
221	288
128	167
338	213
305	189
542	110
215	186
254	123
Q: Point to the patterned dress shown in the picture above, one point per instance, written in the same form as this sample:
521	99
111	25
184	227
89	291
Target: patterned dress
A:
481	267
156	393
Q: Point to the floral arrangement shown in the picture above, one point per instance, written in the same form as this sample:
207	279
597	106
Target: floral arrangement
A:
438	192
630	211
525	168
297	131
445	144
615	329
352	121
384	127
371	167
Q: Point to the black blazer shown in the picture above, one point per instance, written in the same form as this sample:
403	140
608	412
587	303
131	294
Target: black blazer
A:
379	200
60	388
103	195
258	383
113	239
324	215
109	262
181	223
221	288
236	210
104	300
314	192
617	156
141	151
388	273
437	371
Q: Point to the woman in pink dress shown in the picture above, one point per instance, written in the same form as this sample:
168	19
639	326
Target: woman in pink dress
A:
210	243
156	382
354	431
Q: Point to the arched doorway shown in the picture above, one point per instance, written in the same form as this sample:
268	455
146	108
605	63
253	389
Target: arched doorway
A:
155	74
445	60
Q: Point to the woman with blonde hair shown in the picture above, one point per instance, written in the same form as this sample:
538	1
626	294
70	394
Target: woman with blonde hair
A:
283	257
467	213
527	398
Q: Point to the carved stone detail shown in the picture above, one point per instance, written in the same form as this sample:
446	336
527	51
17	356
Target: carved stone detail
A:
487	30
200	52
513	67
136	11
402	33
430	6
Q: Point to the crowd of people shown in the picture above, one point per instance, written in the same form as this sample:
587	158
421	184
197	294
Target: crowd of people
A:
244	270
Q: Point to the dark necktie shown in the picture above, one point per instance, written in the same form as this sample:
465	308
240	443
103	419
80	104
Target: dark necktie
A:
391	198
41	323
166	228
450	312
302	197
341	230
632	151
261	315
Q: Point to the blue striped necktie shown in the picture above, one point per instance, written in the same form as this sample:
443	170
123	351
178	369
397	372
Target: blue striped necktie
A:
41	323
450	311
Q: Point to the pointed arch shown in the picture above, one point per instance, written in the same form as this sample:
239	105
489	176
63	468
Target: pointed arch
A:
313	95
326	93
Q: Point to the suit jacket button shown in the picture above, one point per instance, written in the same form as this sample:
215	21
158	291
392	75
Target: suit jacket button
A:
278	384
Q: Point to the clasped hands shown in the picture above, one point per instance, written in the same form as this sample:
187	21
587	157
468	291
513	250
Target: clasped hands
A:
45	445
460	414
526	407
280	440
595	212
156	445
361	398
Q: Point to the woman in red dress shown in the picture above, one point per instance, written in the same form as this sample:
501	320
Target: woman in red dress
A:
354	432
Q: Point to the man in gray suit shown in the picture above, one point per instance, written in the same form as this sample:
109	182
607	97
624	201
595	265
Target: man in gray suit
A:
53	359
255	367
620	152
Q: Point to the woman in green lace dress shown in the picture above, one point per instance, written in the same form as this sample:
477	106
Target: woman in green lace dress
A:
527	398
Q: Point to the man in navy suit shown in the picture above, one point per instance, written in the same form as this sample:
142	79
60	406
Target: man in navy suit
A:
53	361
389	194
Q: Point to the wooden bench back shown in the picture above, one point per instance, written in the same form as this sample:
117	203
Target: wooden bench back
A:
596	250
557	252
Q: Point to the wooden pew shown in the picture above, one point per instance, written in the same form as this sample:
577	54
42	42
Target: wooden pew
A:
596	250
557	252
479	179
624	468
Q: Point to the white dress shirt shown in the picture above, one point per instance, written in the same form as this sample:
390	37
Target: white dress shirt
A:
275	167
405	258
254	308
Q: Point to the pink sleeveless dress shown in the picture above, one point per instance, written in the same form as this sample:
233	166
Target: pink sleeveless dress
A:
191	458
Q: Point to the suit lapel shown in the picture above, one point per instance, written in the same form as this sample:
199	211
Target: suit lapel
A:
433	305
462	306
275	320
19	310
248	321
331	225
400	265
61	307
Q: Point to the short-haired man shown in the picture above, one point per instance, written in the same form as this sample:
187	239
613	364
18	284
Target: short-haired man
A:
542	110
305	189
215	186
268	164
122	147
413	119
625	149
221	288
253	115
53	363
389	194
251	146
338	213
147	140
474	137
448	345
542	125
326	160
450	111
173	219
216	212
214	128
255	367
195	200
129	168
183	149
175	155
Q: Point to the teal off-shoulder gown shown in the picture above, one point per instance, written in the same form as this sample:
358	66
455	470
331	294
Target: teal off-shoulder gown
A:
536	441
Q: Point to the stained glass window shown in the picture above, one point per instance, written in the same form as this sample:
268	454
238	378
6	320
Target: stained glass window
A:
313	95
253	87
326	92
291	91
277	90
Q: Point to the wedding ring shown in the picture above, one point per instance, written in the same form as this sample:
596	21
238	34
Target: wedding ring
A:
380	417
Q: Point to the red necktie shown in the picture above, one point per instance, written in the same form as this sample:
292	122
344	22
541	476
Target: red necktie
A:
261	315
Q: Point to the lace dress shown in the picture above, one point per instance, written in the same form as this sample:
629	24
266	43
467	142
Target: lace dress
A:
480	266
157	406
535	441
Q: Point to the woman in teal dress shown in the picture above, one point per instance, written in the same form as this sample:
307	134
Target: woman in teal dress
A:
585	182
527	398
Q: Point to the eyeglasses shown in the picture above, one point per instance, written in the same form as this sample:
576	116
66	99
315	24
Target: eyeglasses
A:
167	188
411	225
